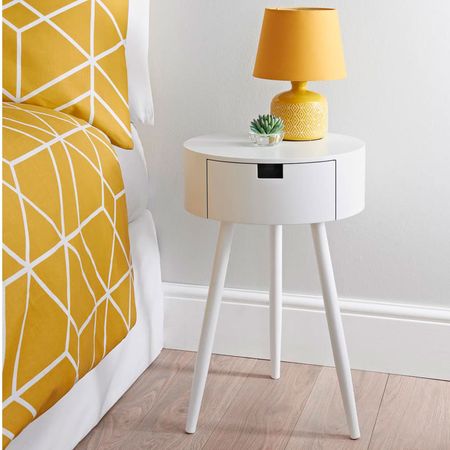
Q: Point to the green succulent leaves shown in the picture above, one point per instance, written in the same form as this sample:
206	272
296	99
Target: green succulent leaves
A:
267	124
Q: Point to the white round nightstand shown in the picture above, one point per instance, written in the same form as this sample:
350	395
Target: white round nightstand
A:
229	179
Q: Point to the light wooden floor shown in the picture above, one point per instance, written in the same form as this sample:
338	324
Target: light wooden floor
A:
244	409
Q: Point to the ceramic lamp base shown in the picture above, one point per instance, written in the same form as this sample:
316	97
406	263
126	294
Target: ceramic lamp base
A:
305	113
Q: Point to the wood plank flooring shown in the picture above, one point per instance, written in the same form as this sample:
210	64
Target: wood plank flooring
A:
244	409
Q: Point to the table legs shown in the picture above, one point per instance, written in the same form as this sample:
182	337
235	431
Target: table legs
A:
335	327
331	308
276	277
216	285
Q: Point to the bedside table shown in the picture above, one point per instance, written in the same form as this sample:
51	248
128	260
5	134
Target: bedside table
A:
311	182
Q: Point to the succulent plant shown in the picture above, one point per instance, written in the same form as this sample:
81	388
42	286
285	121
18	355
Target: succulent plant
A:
267	124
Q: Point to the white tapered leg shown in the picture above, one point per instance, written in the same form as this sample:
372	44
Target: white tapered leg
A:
276	276
335	326
210	318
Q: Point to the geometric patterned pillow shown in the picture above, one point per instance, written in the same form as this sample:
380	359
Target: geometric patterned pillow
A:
69	56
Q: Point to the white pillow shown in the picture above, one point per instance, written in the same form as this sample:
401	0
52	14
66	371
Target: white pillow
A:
136	50
135	177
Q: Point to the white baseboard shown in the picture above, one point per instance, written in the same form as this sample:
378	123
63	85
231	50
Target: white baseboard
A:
382	337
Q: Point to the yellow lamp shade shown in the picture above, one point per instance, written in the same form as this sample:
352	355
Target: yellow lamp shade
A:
300	44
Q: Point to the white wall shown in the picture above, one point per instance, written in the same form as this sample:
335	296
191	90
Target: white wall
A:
396	97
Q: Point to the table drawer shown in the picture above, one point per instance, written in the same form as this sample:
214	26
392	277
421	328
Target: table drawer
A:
271	193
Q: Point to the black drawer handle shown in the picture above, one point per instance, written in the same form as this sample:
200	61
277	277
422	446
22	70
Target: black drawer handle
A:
270	170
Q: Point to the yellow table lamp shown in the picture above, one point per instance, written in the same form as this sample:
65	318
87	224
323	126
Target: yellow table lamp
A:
300	45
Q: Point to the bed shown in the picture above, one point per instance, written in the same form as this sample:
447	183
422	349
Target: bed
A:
68	420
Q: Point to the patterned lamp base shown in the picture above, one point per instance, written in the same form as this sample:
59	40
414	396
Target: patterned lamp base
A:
305	113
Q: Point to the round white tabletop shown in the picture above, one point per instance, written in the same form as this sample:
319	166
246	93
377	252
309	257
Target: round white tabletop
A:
228	178
238	148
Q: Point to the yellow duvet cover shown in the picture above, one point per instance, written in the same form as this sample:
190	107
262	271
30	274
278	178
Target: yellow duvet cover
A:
67	274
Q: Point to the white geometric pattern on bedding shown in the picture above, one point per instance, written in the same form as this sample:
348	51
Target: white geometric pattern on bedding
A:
68	281
82	70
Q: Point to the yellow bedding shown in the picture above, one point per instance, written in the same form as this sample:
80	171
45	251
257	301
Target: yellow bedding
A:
67	274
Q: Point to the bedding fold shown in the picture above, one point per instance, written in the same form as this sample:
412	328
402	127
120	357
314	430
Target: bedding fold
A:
67	273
